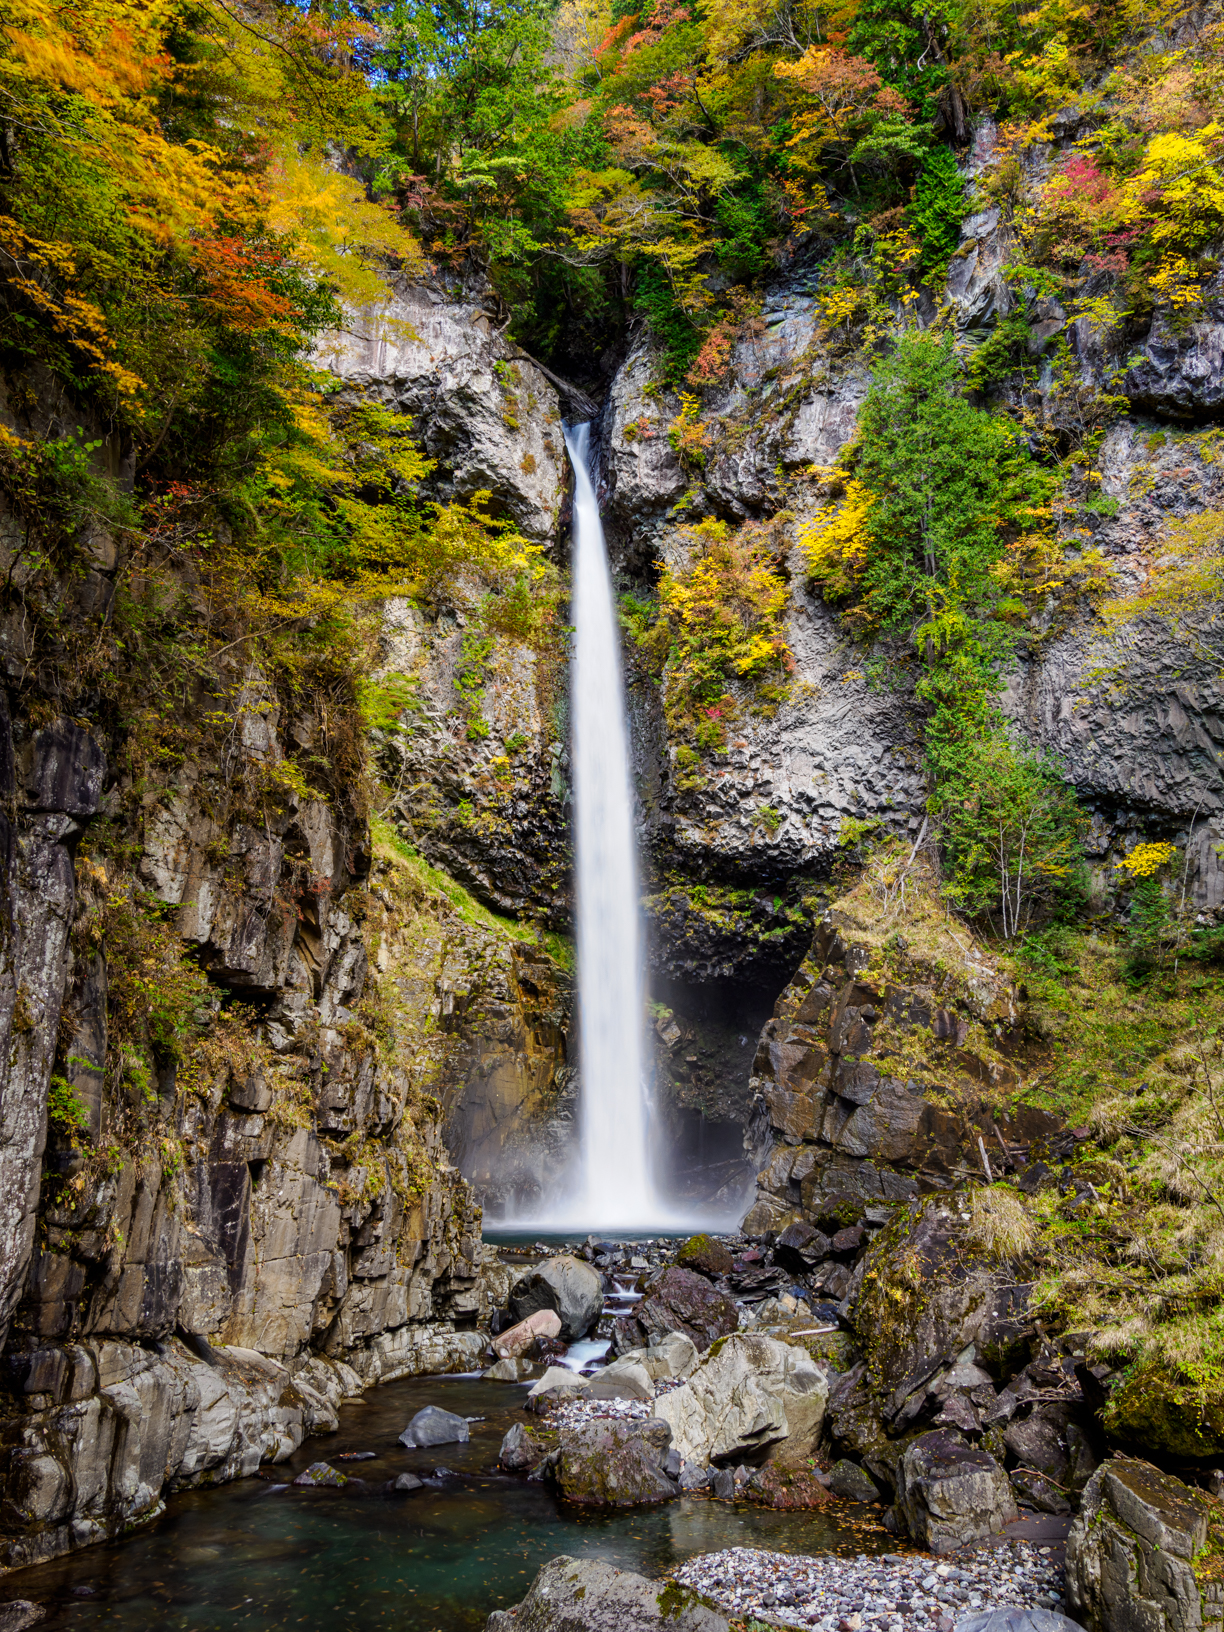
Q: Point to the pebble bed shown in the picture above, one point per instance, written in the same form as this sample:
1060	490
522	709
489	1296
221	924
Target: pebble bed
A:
899	1592
574	1412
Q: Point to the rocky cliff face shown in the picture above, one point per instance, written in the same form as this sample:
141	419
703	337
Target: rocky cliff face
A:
234	1032
265	1219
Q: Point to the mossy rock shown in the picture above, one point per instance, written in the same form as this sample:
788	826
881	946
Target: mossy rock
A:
705	1255
1155	1411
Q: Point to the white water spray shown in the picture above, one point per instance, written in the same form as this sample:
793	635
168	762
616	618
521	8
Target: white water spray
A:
616	1188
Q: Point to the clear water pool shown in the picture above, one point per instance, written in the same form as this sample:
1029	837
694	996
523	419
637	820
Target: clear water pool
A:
260	1554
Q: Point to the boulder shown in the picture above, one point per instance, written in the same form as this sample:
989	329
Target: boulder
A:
1018	1620
705	1255
847	1479
565	1285
586	1595
433	1426
801	1248
678	1300
515	1370
624	1379
405	1483
607	1463
672	1356
520	1450
559	1377
1044	1474
321	1474
19	1613
1131	1550
787	1489
750	1393
518	1339
950	1494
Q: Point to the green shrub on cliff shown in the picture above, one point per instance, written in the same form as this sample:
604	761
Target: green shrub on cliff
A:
915	556
719	637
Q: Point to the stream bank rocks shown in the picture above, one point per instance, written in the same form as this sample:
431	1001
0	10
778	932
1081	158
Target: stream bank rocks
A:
586	1595
678	1300
1132	1552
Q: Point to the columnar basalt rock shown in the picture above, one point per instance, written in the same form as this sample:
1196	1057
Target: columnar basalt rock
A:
870	1082
235	1243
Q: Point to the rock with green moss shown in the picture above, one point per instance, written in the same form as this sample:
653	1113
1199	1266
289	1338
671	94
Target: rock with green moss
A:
930	1290
1157	1409
1136	1553
607	1463
706	1255
586	1595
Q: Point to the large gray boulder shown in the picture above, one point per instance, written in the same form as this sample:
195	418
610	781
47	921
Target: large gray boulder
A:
433	1426
568	1286
585	1595
750	1393
1018	1620
1131	1549
951	1495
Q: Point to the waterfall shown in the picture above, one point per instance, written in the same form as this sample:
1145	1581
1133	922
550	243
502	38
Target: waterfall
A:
616	1188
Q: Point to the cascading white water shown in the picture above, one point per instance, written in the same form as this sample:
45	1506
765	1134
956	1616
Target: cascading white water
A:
616	1189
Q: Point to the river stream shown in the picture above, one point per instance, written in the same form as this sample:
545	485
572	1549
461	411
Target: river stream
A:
261	1554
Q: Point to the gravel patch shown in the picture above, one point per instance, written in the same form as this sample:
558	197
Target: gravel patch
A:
573	1412
911	1592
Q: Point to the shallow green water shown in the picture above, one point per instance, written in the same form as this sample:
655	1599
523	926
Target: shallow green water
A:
253	1556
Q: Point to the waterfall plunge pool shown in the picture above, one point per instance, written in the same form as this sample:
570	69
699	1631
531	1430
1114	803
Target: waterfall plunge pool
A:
255	1557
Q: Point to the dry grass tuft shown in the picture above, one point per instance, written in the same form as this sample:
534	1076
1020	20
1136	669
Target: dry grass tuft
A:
1001	1225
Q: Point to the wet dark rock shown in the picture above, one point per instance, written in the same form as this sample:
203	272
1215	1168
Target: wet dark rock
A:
848	1479
433	1426
19	1613
320	1475
568	1286
520	1450
606	1463
950	1494
678	1300
585	1595
847	1242
801	1247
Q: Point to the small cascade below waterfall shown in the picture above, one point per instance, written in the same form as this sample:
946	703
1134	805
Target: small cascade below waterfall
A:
615	1187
